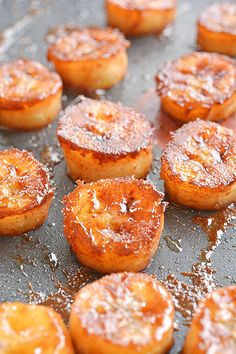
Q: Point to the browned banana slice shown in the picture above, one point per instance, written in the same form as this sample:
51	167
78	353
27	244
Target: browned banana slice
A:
213	328
115	224
90	58
30	95
25	192
199	166
124	313
217	29
28	329
140	17
101	139
198	85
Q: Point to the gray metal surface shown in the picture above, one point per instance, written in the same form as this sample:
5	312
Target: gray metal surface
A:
44	257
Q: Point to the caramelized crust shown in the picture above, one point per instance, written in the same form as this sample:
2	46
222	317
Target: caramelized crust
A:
214	324
217	29
200	160
198	85
109	130
140	17
90	58
202	153
32	329
26	83
114	224
110	140
24	182
220	17
75	44
123	313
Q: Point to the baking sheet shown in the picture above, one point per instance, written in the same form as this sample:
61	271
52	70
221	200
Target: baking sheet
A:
39	267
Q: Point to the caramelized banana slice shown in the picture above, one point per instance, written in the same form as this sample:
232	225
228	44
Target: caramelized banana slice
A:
213	329
199	166
198	85
115	224
90	58
25	192
32	329
30	95
123	313
101	139
217	29
140	17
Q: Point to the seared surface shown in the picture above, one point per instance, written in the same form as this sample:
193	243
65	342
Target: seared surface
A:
24	82
198	78
203	154
24	182
220	17
87	44
105	128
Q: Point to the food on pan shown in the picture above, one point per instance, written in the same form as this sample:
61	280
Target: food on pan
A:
198	166
214	324
198	85
124	313
140	17
32	329
25	192
114	225
101	139
90	58
217	28
30	95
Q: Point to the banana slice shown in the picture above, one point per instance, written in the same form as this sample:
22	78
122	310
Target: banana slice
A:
198	85
90	58
140	17
115	224
25	192
124	313
101	139
199	166
30	95
217	29
213	328
32	329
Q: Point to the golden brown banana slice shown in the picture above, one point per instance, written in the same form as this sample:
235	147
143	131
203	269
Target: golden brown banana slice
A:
198	85
115	224
30	95
217	29
199	166
27	329
124	313
213	328
140	17
90	58
25	192
101	139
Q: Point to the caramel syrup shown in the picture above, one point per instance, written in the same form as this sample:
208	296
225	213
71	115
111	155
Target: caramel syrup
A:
214	226
63	297
149	105
187	296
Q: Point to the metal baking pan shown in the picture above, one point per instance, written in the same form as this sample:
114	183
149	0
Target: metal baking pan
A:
197	250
